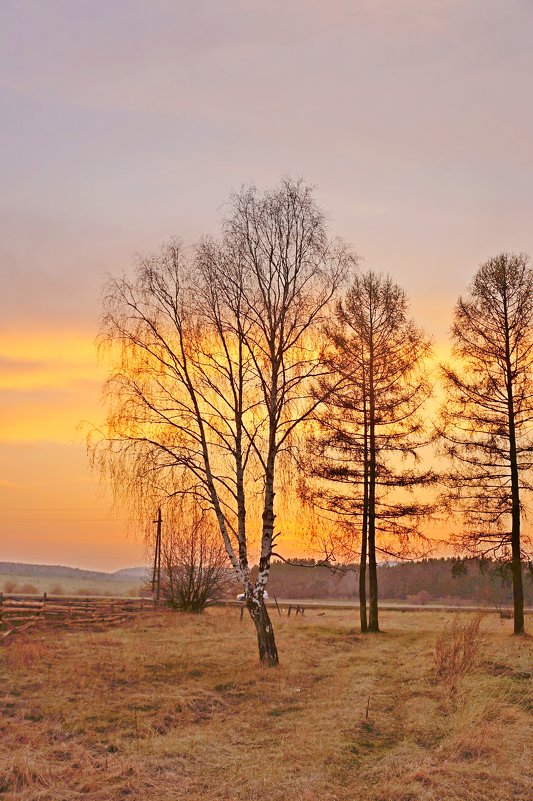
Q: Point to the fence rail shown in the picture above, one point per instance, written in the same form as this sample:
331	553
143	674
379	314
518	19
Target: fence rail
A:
21	612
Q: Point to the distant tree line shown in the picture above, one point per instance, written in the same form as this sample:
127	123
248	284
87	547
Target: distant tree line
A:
484	581
63	571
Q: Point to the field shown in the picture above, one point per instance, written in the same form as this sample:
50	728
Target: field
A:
69	586
174	707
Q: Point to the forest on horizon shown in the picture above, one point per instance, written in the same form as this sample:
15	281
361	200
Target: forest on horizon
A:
421	581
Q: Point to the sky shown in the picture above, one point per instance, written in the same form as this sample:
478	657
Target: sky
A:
126	122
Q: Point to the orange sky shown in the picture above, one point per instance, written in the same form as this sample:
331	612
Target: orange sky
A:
54	508
127	123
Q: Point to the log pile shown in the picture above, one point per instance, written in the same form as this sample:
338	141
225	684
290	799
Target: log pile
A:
19	613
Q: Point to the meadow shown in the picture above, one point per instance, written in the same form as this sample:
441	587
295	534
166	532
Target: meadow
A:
64	585
175	707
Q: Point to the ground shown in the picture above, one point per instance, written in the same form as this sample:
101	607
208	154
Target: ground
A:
175	707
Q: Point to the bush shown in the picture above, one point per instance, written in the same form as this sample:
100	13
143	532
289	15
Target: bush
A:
421	598
10	586
29	589
57	589
456	650
194	563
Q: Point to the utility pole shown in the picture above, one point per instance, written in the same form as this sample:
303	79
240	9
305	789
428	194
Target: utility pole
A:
156	575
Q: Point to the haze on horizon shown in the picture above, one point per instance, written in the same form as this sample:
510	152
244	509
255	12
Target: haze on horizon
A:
128	122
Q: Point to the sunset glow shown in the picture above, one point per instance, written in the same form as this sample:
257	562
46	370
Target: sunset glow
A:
126	124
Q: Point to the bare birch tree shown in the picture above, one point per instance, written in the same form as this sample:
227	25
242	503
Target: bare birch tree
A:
371	428
488	414
215	357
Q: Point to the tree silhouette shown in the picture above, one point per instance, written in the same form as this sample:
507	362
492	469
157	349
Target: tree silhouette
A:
215	358
487	420
371	427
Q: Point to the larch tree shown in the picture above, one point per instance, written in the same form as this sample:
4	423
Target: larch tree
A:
487	419
364	456
215	357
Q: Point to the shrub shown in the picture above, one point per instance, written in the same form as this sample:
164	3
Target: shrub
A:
194	563
24	654
29	589
421	598
456	650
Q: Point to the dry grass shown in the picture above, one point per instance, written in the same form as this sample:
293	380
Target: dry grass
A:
174	707
457	649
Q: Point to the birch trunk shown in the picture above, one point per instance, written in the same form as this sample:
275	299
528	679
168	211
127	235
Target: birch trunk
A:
268	652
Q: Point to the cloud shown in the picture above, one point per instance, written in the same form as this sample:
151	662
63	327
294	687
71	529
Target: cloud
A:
17	366
127	122
216	60
48	384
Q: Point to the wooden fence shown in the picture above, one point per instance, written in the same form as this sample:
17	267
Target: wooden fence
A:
19	613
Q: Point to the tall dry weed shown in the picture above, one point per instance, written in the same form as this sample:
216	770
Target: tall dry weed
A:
21	772
24	653
456	650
